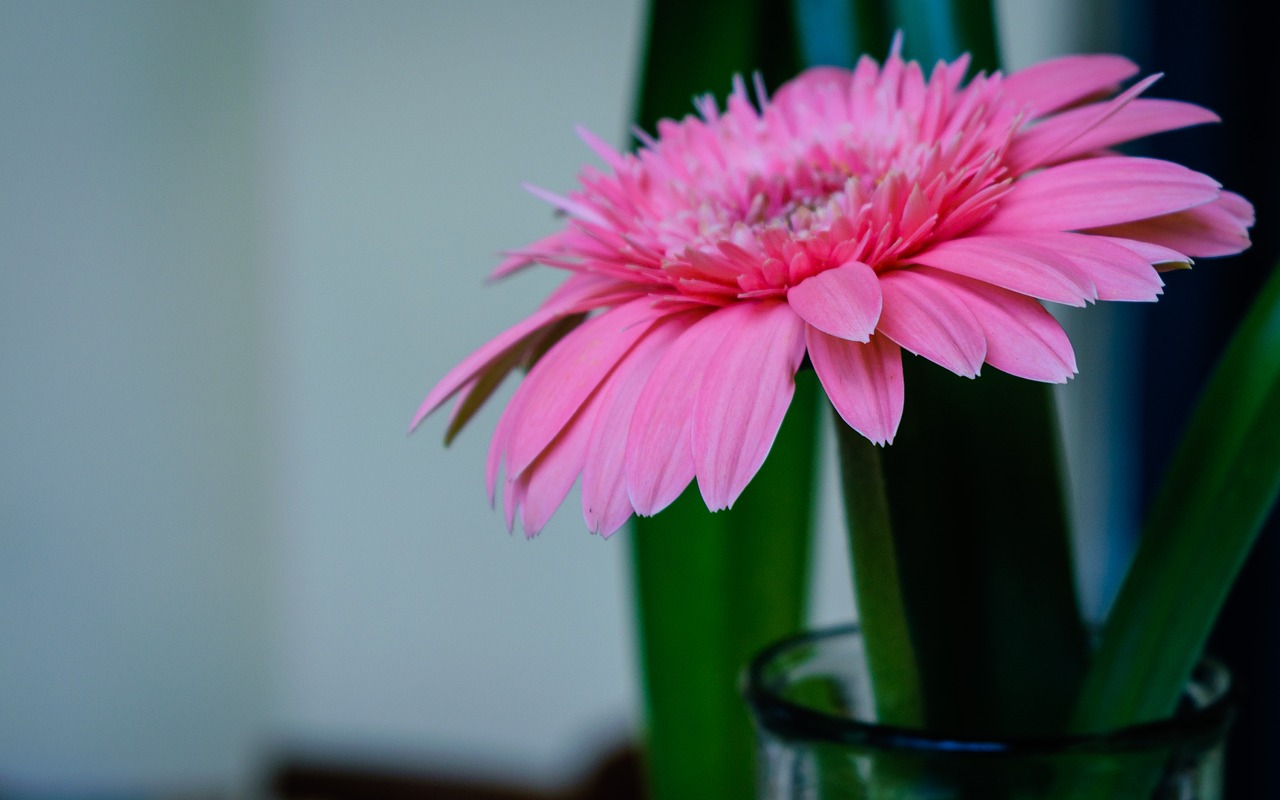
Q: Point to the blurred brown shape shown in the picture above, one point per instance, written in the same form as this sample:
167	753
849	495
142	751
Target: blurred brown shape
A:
618	776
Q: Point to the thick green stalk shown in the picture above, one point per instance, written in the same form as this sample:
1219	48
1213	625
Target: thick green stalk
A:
975	490
713	589
984	553
891	660
1219	490
938	29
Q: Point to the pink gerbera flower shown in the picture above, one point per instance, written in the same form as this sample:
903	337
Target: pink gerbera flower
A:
855	214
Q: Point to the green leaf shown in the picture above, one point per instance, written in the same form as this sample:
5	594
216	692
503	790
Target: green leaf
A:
697	47
1217	494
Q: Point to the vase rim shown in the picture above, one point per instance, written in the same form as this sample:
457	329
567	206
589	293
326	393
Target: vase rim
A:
793	721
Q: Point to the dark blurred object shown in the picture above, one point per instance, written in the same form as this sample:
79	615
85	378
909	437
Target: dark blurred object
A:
1216	54
618	776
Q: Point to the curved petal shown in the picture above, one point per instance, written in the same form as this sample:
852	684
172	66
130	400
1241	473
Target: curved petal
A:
575	208
744	396
605	504
1100	191
924	315
1045	141
527	256
487	356
1162	258
843	302
547	481
573	296
1220	228
475	393
812	80
1117	272
513	492
1051	85
863	381
1023	339
1013	262
659	457
1142	117
498	451
565	377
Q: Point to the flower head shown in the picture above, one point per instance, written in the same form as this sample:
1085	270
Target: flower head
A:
855	214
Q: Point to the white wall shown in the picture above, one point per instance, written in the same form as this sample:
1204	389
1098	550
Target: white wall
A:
396	137
238	242
133	574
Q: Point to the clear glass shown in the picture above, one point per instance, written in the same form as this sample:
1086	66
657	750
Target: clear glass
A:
810	699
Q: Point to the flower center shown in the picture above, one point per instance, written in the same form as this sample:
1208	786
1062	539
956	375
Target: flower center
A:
749	203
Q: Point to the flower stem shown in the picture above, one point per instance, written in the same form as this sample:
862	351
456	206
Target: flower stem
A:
984	554
891	658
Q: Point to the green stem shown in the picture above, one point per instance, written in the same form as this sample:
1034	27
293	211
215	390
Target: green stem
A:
975	488
891	659
984	553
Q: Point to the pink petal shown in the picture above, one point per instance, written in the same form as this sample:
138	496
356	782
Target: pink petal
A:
1051	85
606	152
812	80
1023	339
843	302
1116	271
1238	208
863	381
924	315
513	492
548	479
473	396
498	451
1100	191
567	375
518	260
1048	140
1216	229
569	298
744	397
502	433
605	504
1015	263
568	205
488	355
1161	258
659	455
1139	118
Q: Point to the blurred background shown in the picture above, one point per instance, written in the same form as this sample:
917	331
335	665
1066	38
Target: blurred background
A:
238	243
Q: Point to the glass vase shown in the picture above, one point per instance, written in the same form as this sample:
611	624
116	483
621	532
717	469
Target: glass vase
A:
811	703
